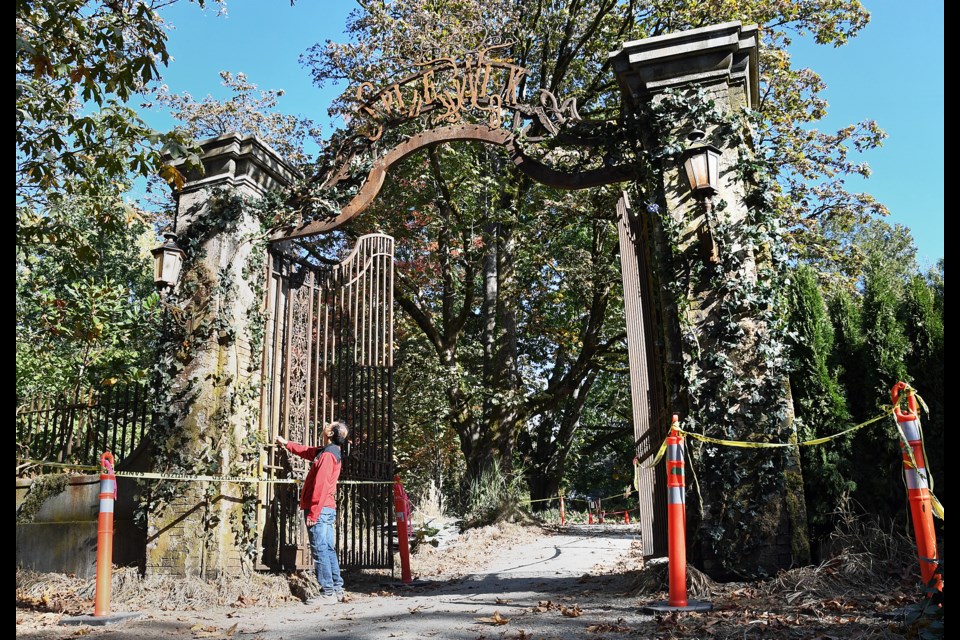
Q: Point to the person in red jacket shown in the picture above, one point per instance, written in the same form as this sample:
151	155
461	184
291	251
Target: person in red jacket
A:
318	500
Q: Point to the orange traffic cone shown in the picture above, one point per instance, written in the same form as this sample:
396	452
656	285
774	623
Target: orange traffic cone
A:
918	489
676	530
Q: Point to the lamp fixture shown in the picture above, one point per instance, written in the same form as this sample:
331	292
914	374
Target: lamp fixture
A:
702	164
167	260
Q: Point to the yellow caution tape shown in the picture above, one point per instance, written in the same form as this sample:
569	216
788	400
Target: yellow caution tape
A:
937	507
237	479
755	445
656	459
770	445
539	500
183	477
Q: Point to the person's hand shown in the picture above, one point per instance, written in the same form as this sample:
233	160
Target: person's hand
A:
281	440
310	523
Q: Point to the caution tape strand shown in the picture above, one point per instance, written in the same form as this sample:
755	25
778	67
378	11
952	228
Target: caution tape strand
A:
183	477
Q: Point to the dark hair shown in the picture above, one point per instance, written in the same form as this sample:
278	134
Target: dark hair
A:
340	433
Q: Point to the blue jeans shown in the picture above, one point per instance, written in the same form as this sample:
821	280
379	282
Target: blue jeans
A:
322	544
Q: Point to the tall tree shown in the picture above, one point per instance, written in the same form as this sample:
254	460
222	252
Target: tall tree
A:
818	401
79	63
83	286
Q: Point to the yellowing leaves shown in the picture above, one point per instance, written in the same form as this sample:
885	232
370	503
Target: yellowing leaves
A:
172	176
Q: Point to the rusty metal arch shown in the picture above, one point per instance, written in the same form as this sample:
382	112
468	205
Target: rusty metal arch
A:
454	133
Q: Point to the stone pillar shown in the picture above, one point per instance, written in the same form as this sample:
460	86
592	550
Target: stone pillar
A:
209	422
753	519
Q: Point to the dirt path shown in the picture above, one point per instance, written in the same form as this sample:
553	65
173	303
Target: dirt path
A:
507	583
558	585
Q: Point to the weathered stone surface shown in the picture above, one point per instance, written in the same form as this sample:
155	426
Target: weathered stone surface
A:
721	61
724	53
196	534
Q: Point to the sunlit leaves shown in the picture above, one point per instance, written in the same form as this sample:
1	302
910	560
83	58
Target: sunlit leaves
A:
248	111
78	64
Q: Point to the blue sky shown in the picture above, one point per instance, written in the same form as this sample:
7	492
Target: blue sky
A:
892	72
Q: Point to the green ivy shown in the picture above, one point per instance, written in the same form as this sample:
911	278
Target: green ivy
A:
188	329
726	396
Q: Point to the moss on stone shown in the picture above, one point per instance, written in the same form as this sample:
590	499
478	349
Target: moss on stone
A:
41	488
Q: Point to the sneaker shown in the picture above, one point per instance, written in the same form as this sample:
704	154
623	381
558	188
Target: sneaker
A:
340	595
323	598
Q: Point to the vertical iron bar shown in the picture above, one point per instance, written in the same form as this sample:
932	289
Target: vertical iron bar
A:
309	431
390	442
288	334
132	420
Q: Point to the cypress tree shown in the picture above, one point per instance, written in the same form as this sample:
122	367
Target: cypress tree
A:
819	403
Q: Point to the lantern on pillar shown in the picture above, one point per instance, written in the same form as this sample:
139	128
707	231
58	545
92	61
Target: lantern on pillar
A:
702	164
167	260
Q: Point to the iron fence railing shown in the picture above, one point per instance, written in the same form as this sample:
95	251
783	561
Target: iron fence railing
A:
78	429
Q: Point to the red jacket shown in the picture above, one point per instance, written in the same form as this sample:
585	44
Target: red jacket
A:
320	486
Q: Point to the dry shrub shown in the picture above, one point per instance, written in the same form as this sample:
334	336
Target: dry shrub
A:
430	507
864	557
655	578
61	593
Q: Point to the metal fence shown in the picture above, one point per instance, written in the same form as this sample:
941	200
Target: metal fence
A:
79	429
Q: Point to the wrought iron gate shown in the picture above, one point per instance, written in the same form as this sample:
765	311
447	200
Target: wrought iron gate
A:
328	355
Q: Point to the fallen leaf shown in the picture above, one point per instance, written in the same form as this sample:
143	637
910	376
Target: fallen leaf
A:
572	612
243	601
208	632
496	618
542	606
608	628
503	601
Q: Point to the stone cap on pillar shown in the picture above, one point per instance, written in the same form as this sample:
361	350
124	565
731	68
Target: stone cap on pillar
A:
239	161
708	54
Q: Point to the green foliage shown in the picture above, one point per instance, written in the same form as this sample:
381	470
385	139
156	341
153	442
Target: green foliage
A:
515	286
86	305
885	354
818	401
890	330
427	447
79	63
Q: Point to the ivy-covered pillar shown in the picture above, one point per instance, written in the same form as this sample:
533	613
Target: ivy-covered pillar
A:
718	267
209	368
